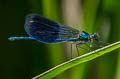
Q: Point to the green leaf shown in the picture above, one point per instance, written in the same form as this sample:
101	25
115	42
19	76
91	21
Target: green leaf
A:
78	60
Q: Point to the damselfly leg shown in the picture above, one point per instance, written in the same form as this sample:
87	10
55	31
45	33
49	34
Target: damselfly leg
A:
71	52
78	45
102	44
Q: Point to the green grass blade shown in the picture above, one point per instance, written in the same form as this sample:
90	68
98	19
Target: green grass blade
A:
78	60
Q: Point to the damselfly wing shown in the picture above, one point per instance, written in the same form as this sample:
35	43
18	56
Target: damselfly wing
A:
47	31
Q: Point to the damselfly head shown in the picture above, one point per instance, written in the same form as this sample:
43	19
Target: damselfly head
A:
95	36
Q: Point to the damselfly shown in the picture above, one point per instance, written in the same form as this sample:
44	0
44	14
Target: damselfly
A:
41	29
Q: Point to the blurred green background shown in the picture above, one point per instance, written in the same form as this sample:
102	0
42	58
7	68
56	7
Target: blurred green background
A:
24	59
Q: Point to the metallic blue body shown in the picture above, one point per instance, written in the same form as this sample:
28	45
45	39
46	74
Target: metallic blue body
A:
44	30
41	29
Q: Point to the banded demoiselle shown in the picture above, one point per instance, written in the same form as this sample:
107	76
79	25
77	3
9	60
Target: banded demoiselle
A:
44	30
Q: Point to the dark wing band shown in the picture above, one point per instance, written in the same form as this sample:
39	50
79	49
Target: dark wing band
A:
45	30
